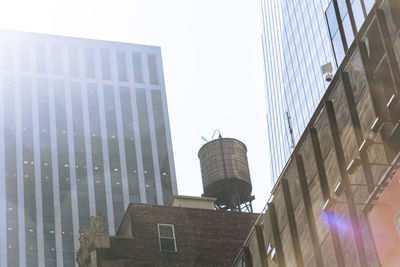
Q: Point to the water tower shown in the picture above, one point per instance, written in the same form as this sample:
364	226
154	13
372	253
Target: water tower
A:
225	174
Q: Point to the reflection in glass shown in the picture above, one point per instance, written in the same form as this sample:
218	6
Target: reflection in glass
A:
57	59
368	5
348	30
162	148
342	8
89	62
63	170
358	13
40	58
137	67
80	154
28	172
46	172
105	64
152	69
73	60
122	75
113	153
338	47
146	146
332	21
10	171
130	147
97	151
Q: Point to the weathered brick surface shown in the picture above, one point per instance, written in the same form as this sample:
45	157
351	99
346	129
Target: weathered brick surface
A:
203	237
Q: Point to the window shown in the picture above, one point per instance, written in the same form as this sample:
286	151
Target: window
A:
152	69
166	235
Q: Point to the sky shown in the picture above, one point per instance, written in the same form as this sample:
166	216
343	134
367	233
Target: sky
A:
212	59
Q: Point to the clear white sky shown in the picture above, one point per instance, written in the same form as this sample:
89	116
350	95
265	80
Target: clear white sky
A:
212	59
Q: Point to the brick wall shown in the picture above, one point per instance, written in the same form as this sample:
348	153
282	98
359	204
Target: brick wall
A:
203	237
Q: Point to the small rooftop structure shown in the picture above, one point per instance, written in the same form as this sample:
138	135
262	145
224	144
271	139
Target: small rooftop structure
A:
193	202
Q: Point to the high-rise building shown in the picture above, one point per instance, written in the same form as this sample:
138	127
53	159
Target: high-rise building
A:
296	44
83	127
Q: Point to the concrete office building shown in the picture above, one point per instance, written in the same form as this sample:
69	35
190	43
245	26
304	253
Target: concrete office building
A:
83	127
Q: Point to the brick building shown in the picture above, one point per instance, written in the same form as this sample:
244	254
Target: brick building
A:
152	235
336	203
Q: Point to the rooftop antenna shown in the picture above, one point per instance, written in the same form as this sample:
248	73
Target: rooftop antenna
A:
219	134
290	128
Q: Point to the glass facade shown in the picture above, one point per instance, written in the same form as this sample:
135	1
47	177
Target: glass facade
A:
296	44
83	127
344	19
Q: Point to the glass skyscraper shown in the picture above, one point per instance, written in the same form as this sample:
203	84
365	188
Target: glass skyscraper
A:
83	127
296	44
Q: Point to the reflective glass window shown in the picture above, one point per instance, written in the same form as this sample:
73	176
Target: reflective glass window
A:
331	17
113	153
137	67
46	171
152	62
8	103
348	30
338	47
105	64
145	140
73	60
342	8
162	147
63	167
28	170
89	62
6	54
24	56
129	141
358	13
97	151
41	58
121	63
80	154
368	5
57	59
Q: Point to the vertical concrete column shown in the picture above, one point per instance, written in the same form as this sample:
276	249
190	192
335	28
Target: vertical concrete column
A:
309	210
326	193
355	120
292	222
276	234
343	173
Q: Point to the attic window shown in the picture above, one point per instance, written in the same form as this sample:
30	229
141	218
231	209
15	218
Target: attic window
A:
166	236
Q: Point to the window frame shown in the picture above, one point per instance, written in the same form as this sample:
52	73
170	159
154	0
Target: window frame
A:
173	237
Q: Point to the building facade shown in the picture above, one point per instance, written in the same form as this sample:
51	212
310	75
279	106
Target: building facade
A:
299	37
83	127
152	235
295	45
336	202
